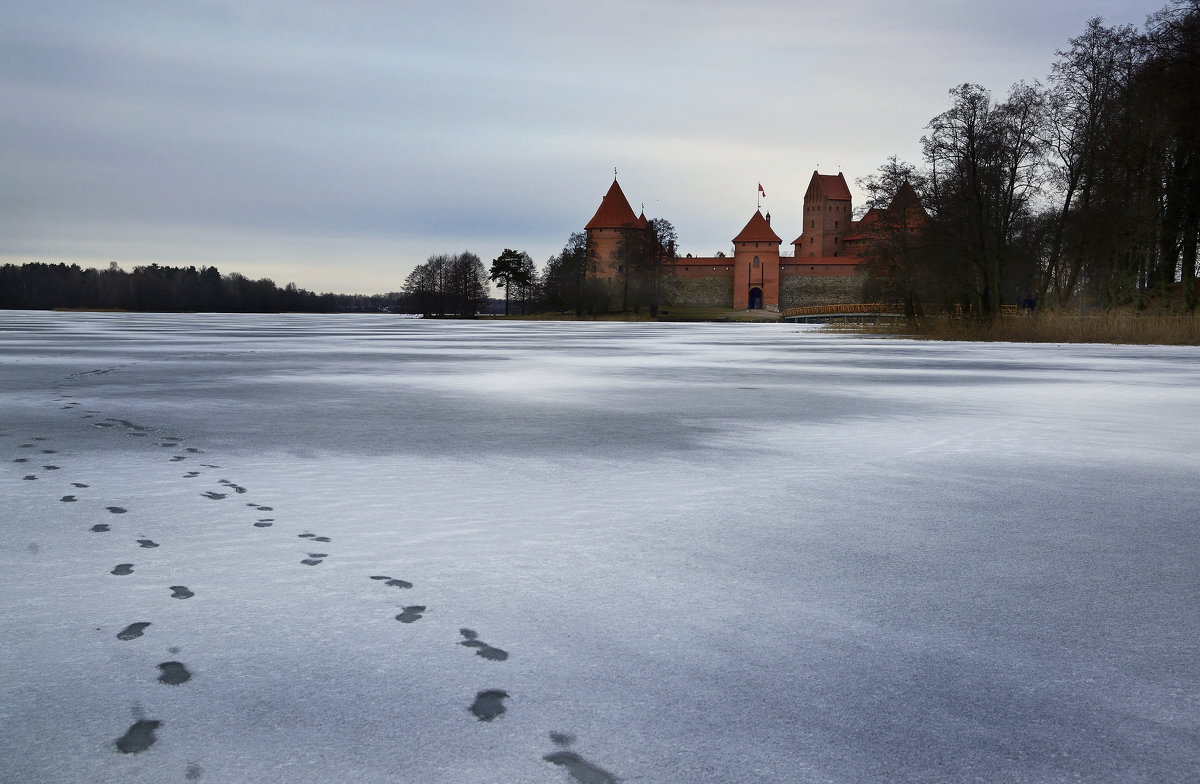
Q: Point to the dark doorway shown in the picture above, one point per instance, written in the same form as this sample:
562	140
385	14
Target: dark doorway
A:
756	298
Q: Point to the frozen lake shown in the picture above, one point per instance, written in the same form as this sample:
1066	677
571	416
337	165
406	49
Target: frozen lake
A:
366	549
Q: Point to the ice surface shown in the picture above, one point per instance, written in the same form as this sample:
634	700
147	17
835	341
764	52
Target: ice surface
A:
619	552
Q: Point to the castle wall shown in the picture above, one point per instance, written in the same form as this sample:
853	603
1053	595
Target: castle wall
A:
797	291
711	291
703	267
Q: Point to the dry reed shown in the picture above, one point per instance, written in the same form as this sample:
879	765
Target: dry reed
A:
1056	327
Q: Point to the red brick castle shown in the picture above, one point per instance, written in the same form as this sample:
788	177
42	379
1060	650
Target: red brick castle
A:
823	269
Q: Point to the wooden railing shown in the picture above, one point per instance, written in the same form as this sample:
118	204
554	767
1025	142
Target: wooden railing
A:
832	310
880	308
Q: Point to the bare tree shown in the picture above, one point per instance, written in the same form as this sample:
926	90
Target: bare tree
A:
894	257
983	161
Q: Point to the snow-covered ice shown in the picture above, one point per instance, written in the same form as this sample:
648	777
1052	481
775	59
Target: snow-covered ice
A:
358	548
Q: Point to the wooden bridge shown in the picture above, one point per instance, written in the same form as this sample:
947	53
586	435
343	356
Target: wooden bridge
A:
857	313
866	313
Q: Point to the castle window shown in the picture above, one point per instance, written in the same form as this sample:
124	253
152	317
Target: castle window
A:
835	224
756	261
812	224
835	253
811	240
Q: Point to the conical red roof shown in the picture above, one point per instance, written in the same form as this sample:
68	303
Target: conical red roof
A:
614	212
757	230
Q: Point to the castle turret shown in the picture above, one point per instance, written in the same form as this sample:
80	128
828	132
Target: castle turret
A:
756	266
606	228
827	215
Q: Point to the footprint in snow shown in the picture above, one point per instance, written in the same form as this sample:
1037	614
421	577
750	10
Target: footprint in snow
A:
173	673
411	613
577	767
314	558
191	475
122	569
117	509
133	631
139	737
99	528
147	543
391	582
580	769
79	484
181	592
481	648
489	704
214	496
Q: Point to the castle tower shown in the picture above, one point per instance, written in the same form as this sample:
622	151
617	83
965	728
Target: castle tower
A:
606	228
827	214
756	266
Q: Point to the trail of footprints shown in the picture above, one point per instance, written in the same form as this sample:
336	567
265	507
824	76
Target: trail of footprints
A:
488	704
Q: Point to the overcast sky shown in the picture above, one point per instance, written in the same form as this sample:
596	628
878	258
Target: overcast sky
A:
337	144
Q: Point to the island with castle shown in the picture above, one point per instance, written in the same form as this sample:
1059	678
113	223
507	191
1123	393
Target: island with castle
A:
826	266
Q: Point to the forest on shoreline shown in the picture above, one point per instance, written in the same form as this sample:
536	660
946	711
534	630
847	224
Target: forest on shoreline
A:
154	288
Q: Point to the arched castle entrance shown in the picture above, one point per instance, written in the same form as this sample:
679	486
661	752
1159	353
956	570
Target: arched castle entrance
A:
756	298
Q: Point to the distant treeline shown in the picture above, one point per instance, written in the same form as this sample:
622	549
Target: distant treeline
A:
37	286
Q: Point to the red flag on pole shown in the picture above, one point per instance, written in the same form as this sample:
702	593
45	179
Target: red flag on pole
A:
760	189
